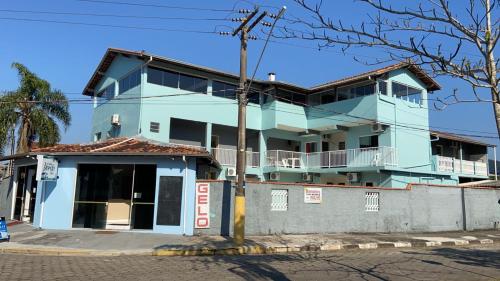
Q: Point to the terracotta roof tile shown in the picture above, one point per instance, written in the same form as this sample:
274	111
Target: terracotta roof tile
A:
420	73
133	145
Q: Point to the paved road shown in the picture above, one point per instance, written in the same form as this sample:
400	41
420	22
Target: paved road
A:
466	263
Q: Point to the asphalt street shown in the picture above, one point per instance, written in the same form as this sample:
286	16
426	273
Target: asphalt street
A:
453	263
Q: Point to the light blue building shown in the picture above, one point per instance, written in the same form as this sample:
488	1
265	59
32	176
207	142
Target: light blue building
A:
368	129
118	184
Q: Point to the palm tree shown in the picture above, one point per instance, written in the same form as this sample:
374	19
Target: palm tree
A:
35	110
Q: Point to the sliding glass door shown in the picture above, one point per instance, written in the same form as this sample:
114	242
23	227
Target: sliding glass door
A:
114	196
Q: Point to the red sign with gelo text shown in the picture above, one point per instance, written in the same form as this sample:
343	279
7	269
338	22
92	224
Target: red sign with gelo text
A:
202	206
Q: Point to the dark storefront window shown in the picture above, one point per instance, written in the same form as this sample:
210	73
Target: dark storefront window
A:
169	201
104	195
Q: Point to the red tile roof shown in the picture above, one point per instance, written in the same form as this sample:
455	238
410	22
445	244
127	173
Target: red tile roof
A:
430	83
111	53
119	146
124	145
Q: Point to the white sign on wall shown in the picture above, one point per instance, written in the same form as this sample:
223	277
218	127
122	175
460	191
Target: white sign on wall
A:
202	206
46	169
313	195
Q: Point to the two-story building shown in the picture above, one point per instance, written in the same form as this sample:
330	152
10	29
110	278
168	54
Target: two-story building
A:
368	129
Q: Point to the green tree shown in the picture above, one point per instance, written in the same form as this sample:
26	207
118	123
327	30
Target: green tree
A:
34	109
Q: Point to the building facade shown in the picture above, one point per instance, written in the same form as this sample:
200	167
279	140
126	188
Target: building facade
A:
117	184
370	129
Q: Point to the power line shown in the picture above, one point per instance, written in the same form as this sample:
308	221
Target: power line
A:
112	15
111	25
123	101
157	6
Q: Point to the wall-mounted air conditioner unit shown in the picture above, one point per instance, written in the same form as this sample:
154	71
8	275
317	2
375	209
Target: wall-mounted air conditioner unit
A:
352	177
231	172
274	176
115	120
307	177
378	128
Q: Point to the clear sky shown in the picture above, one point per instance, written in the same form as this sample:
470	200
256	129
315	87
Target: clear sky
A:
67	54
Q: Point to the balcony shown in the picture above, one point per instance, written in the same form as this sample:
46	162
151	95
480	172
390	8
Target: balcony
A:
453	165
359	157
227	157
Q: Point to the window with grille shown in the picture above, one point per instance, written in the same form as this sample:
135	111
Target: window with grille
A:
372	202
279	200
154	127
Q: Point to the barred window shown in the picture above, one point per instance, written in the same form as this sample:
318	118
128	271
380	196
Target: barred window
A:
372	202
279	200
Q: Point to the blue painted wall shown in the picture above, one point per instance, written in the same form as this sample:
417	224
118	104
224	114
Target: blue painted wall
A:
277	119
59	195
128	108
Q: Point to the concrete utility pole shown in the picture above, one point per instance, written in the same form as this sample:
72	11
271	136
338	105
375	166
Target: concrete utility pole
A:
239	200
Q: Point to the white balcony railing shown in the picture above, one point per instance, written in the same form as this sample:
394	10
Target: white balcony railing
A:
227	157
286	159
453	165
359	157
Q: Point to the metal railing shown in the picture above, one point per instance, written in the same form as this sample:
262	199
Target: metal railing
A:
227	157
359	157
286	159
454	165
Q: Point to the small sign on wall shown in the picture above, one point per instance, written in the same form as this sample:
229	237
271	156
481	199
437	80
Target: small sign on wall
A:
313	195
46	169
202	206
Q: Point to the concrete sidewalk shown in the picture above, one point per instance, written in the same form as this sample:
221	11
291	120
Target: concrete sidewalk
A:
26	240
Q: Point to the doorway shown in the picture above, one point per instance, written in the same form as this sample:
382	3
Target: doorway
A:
24	205
115	196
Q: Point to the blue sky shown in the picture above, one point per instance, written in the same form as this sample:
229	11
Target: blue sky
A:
67	54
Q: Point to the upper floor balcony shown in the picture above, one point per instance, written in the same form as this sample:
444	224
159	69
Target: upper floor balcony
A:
457	166
359	157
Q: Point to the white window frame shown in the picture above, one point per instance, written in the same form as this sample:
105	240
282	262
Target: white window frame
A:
372	201
281	202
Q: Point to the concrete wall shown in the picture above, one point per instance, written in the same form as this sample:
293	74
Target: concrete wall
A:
6	194
419	209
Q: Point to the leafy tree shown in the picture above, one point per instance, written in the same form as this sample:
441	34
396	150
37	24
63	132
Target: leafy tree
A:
34	110
450	38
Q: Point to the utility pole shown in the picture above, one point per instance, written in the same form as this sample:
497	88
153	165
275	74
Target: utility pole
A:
239	200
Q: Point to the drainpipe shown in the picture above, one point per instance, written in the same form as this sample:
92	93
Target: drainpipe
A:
495	161
42	204
430	154
139	131
185	194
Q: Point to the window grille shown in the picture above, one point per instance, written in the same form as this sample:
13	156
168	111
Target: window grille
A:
154	127
279	200
372	202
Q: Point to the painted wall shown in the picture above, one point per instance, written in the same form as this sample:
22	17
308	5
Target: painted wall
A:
423	208
59	195
128	108
412	145
6	195
274	119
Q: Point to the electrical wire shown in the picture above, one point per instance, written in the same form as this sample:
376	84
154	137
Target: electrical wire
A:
156	6
123	101
111	25
112	15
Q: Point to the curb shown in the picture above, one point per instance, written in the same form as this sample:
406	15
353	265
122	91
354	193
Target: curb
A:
243	250
72	252
258	249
